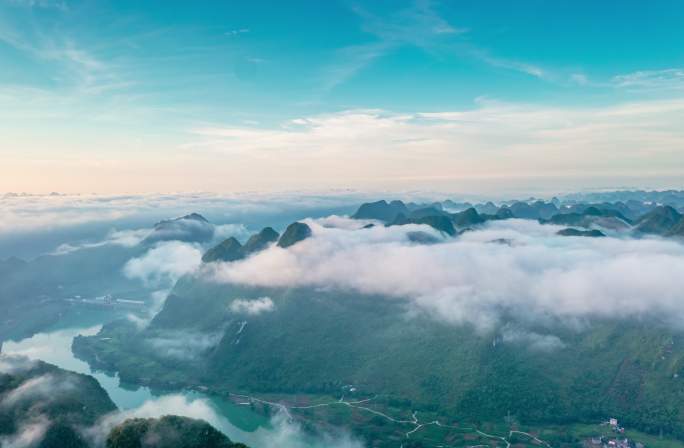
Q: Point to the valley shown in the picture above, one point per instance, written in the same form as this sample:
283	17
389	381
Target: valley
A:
526	375
380	362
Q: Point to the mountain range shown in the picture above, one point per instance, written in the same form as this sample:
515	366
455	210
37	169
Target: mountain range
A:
611	367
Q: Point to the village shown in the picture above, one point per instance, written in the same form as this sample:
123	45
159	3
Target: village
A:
616	439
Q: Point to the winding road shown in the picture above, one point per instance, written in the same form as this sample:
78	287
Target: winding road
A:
417	424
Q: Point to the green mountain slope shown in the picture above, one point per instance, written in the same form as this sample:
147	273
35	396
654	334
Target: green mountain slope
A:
575	232
320	341
58	403
169	431
381	210
659	221
230	249
294	233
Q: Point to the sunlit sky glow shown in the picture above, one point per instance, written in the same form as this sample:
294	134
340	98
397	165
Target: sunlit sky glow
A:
132	96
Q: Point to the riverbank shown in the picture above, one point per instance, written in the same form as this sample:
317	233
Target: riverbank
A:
53	346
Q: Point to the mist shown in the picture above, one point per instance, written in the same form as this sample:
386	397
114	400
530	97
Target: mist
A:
282	432
473	279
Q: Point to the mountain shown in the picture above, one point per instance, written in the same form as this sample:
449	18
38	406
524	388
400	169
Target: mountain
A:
425	212
535	210
523	210
639	201
618	367
443	221
617	209
432	215
606	211
677	230
382	211
228	250
57	402
504	213
189	228
575	232
43	406
261	240
541	372
169	431
488	208
33	293
590	217
295	232
231	249
467	218
192	217
659	221
456	206
569	219
422	238
545	209
439	222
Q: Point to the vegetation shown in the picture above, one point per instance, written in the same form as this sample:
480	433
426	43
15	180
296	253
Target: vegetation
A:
231	249
169	431
661	221
59	401
614	367
295	232
576	232
382	211
627	369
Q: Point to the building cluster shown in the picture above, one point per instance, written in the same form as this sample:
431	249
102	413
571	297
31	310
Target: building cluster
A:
617	440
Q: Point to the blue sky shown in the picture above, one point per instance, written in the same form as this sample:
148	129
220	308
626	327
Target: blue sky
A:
238	95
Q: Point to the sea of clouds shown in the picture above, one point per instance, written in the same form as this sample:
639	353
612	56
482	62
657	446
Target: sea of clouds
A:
515	268
33	225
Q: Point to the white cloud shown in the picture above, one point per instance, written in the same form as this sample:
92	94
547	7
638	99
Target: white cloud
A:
418	26
282	432
471	280
579	79
510	64
530	339
77	68
237	31
252	307
183	345
28	435
50	4
124	238
651	80
158	407
343	222
156	302
491	140
42	388
165	263
288	433
13	364
239	231
25	213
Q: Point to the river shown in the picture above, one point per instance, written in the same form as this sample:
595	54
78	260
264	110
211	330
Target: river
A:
238	422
